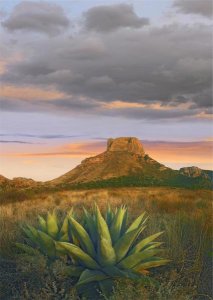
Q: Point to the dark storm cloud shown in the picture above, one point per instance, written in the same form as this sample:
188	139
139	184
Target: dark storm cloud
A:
42	17
109	18
204	7
169	65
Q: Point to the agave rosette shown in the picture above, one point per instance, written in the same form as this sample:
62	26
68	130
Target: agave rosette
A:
44	237
109	248
100	248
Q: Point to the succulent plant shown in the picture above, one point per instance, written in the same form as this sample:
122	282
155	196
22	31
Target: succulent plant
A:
44	237
99	248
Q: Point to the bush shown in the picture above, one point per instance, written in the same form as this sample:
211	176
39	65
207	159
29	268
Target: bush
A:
98	249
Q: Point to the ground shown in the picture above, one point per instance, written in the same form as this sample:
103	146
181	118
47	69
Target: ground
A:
184	215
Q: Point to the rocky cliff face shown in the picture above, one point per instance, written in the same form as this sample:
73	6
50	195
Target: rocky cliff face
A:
125	144
123	157
191	171
195	172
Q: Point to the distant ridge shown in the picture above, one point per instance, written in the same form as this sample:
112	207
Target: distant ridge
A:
124	163
18	182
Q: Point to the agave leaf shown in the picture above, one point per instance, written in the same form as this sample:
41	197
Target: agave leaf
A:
64	227
52	224
73	271
91	225
136	223
59	249
115	272
73	237
124	225
42	223
103	229
83	237
140	246
47	244
134	259
152	245
125	242
151	263
131	274
106	253
109	215
64	238
88	276
31	233
26	248
115	228
77	253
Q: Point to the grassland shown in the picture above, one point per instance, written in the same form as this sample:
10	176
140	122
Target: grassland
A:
184	215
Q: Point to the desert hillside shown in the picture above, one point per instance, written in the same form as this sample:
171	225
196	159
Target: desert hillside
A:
125	163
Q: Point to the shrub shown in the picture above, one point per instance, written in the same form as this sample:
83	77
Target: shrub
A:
98	249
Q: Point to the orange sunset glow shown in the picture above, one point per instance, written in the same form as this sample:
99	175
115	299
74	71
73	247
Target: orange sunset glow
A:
46	162
28	93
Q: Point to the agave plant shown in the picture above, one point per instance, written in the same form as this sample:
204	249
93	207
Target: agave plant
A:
100	249
45	236
109	248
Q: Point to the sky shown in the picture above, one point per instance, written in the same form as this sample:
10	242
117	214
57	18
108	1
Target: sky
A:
74	73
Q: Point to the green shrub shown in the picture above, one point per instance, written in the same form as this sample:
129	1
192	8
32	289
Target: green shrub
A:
98	249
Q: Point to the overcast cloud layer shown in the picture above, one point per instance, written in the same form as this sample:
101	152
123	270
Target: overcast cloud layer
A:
203	8
110	62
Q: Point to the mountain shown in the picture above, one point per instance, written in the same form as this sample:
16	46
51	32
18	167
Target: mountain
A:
123	157
125	163
17	182
196	172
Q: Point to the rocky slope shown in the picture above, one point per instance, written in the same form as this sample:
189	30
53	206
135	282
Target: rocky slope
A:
17	182
196	172
123	157
125	163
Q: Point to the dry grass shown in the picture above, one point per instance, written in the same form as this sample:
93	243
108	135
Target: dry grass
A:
185	215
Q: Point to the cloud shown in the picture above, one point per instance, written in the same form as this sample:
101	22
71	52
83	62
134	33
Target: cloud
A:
43	17
28	92
45	136
14	142
163	151
203	8
154	72
109	18
151	113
